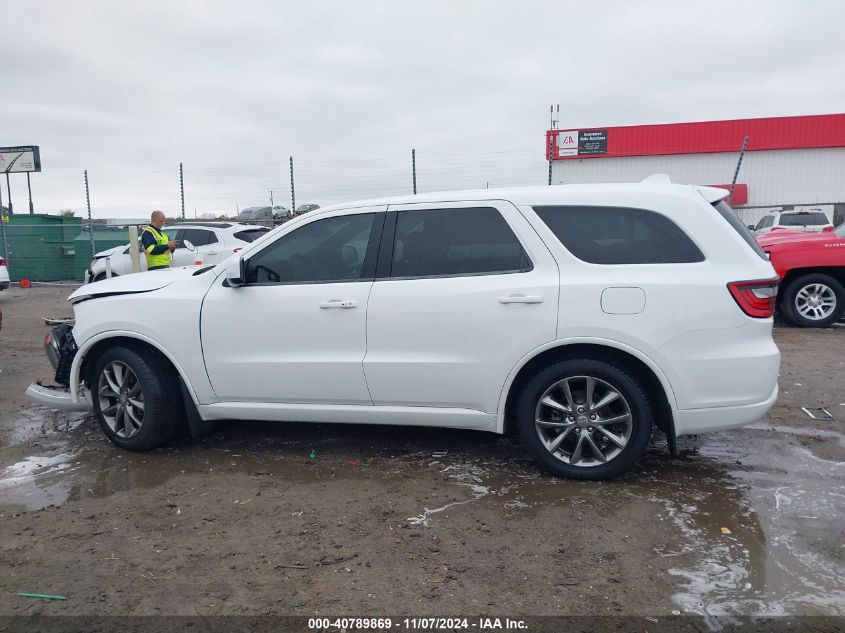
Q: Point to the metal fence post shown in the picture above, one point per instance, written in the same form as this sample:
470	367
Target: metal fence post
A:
414	168
736	172
182	189
3	229
90	223
9	191
292	194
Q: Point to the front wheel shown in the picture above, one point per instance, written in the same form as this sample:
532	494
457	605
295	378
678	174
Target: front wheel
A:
584	419
815	300
133	393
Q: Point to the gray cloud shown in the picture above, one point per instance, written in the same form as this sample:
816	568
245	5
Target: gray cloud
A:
128	90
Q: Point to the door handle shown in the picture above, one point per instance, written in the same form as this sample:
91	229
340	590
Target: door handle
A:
521	299
339	303
212	252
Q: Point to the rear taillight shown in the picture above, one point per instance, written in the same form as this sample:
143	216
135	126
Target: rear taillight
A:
756	298
2	261
237	249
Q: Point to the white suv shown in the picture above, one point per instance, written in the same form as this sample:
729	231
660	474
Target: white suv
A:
813	221
581	316
212	243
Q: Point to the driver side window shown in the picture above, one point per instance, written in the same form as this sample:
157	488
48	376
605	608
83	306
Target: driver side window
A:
326	250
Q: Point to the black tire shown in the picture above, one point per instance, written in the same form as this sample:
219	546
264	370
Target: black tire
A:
605	376
791	294
102	276
163	410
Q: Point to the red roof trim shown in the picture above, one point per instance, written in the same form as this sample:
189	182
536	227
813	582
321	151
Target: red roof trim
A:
776	133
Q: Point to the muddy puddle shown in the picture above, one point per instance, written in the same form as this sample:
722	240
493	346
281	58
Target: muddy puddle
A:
757	516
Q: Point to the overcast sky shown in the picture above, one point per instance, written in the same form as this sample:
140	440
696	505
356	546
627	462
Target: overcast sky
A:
128	90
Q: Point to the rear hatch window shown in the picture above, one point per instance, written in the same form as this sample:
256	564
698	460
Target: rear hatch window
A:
726	212
816	218
250	235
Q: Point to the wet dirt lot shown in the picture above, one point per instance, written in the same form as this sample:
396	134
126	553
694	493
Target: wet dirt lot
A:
415	521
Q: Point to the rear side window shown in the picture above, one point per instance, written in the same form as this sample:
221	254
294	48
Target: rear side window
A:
445	242
803	219
250	235
199	237
726	212
619	235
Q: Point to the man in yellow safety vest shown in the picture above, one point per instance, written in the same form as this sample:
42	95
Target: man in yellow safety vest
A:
157	245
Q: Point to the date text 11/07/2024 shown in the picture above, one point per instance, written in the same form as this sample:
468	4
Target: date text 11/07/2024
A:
415	624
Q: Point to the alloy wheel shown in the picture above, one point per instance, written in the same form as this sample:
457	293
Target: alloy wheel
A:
583	421
815	301
121	399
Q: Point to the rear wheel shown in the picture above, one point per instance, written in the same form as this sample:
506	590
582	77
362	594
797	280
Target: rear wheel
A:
584	419
135	397
102	276
814	300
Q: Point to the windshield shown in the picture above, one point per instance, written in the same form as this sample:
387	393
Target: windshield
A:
803	219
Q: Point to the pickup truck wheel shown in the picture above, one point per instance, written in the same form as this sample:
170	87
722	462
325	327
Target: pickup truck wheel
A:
135	399
814	300
584	419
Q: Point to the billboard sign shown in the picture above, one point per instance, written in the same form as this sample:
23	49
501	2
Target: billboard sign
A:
581	142
20	159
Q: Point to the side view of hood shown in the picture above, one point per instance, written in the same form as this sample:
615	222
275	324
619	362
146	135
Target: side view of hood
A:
791	237
129	284
108	252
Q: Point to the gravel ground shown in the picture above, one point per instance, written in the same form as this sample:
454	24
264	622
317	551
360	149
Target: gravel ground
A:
416	521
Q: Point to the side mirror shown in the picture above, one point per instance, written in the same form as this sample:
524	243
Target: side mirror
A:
236	271
189	245
828	229
751	227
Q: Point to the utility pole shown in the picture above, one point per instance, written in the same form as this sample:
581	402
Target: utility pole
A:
271	197
182	188
90	223
738	163
292	193
29	189
414	168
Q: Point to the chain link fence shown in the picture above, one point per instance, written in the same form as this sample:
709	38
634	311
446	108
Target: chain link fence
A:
58	249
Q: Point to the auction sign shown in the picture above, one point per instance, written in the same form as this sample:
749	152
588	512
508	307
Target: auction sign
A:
20	159
581	142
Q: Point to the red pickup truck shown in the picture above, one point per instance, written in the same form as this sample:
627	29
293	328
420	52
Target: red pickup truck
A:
812	269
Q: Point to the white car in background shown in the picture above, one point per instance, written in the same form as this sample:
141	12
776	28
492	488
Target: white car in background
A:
212	241
4	274
812	221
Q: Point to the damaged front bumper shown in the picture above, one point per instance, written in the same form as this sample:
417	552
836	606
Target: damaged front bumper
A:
58	398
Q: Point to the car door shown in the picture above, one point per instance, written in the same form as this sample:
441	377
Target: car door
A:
296	331
463	292
207	246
